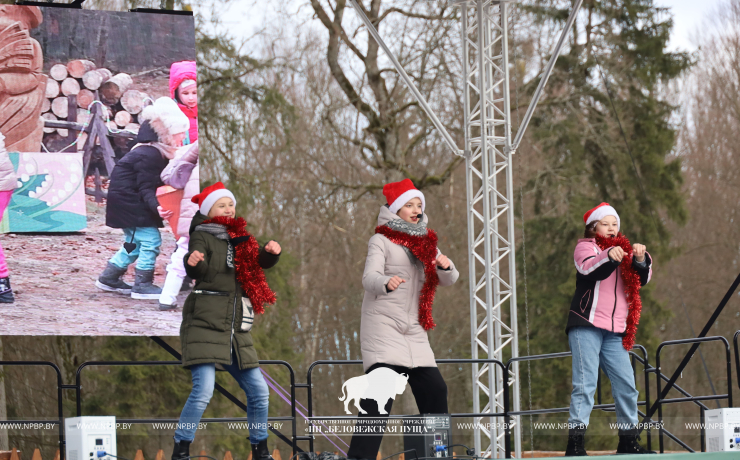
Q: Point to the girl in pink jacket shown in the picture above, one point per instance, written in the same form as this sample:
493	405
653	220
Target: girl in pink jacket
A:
184	90
602	323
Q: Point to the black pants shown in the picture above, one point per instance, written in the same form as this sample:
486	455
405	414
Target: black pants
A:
430	393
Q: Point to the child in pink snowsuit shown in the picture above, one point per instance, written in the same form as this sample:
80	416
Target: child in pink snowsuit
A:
8	183
184	91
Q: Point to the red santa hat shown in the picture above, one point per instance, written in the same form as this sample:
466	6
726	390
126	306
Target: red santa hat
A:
398	194
599	212
210	195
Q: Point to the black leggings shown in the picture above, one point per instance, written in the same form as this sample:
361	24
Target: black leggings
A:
430	393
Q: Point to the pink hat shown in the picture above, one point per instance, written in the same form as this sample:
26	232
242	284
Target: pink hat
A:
179	72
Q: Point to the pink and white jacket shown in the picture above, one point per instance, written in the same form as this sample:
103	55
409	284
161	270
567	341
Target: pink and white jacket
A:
600	300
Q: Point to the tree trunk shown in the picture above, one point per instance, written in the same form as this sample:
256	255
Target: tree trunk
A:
60	107
52	88
84	98
58	72
94	78
112	90
70	87
52	117
133	127
83	116
78	67
133	101
123	118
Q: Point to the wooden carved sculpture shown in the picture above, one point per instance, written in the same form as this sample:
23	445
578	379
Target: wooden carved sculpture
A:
22	85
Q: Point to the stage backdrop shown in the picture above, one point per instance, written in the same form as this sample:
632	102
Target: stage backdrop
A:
73	84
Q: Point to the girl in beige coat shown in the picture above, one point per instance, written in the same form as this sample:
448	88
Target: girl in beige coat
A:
402	270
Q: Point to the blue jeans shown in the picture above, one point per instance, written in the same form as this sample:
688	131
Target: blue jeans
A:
204	379
148	241
593	347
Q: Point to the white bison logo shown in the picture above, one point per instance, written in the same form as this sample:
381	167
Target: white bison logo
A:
380	384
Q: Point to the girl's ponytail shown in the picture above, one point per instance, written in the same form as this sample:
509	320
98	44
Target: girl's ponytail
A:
590	230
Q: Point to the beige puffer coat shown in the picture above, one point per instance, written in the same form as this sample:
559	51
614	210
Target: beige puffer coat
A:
390	332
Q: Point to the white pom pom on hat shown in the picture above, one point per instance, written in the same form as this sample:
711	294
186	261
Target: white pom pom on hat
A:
169	114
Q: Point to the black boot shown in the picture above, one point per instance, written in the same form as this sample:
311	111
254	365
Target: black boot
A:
260	451
110	280
6	294
181	450
576	442
144	287
628	443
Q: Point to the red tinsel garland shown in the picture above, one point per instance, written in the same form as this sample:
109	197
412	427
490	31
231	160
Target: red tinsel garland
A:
423	248
631	285
246	259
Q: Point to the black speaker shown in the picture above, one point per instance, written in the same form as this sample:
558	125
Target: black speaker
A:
429	435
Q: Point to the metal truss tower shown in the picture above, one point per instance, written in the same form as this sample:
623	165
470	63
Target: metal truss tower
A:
490	198
488	153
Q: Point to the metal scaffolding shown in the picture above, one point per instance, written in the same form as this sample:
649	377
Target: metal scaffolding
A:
490	197
488	153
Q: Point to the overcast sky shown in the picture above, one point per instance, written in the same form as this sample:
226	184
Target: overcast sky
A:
688	16
244	17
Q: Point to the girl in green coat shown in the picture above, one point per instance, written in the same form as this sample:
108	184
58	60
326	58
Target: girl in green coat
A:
230	288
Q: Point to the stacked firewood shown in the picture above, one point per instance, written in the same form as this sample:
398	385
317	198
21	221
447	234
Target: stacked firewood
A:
81	78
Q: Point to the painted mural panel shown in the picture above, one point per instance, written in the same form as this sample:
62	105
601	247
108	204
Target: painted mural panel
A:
50	196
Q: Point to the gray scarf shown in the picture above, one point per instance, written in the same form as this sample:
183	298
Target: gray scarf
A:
419	229
401	225
219	231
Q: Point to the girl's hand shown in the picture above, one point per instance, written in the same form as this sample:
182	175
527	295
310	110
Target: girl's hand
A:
616	254
394	283
195	257
273	247
639	251
443	262
164	213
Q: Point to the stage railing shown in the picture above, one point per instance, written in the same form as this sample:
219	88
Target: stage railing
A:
702	408
219	388
737	357
605	407
490	362
60	409
507	414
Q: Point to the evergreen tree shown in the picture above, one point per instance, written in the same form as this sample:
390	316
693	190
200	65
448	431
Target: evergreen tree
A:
617	49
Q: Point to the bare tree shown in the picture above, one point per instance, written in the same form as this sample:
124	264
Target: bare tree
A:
693	283
391	134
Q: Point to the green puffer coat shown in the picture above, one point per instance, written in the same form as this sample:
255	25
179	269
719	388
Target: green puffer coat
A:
212	314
